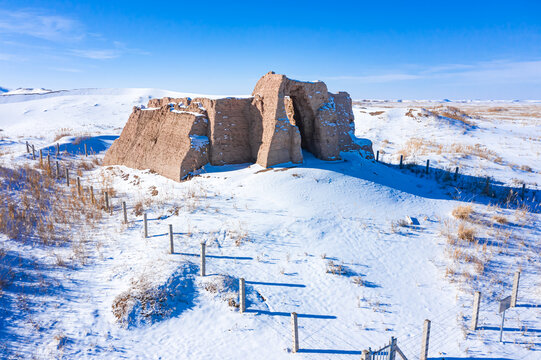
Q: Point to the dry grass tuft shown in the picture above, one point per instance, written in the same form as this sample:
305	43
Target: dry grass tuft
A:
466	233
500	219
142	297
463	212
62	132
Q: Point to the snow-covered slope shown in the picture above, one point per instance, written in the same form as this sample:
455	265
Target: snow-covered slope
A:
327	240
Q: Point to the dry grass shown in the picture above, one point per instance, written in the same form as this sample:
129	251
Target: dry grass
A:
142	297
466	233
500	219
454	113
62	132
463	212
335	269
38	208
419	146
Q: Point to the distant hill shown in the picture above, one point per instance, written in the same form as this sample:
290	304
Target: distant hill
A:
26	91
3	90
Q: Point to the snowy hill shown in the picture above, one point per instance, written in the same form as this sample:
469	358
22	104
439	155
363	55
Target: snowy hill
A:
327	240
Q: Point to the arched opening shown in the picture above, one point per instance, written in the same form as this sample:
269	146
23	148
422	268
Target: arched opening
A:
303	117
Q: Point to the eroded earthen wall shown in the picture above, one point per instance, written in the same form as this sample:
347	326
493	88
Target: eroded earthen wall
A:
176	136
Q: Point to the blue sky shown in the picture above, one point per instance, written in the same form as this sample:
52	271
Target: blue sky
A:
391	49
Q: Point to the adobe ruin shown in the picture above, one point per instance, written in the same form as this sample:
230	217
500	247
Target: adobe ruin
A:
177	136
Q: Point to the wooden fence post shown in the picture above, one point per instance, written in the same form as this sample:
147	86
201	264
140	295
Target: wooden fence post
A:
125	212
86	152
392	349
426	337
242	295
515	289
365	355
377	156
67	177
401	158
92	194
203	269
33	153
78	186
523	191
107	201
145	225
49	162
40	157
475	315
57	170
456	173
57	150
171	245
295	330
27	148
427	166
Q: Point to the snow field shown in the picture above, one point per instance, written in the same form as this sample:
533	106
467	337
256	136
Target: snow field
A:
323	239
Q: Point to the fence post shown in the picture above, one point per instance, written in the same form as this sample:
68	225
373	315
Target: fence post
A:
27	148
203	259
86	153
242	295
476	304
67	177
377	156
295	330
456	173
365	355
33	153
427	165
92	194
145	225
426	337
49	162
515	289
57	150
401	158
171	245
78	186
40	157
125	212
523	191
57	170
107	201
392	350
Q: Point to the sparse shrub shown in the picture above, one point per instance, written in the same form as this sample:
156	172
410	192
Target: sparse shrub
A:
138	208
62	132
335	269
500	219
142	300
463	212
466	233
224	287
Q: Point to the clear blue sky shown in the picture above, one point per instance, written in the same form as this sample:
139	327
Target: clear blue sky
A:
372	49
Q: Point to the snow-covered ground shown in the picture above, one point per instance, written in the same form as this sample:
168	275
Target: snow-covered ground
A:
326	240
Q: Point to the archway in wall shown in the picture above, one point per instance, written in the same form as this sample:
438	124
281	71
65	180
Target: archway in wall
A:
304	119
